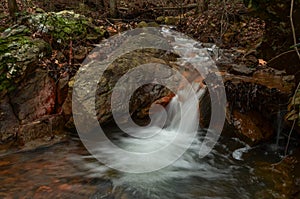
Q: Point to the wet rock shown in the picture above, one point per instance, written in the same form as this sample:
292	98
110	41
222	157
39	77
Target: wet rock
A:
262	91
35	97
9	123
251	127
255	100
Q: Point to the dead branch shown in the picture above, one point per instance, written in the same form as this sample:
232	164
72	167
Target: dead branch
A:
190	6
293	28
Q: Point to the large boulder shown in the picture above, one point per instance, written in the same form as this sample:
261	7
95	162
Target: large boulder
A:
19	55
141	99
28	113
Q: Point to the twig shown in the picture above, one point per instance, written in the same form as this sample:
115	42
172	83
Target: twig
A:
293	28
112	25
71	53
294	96
294	122
286	52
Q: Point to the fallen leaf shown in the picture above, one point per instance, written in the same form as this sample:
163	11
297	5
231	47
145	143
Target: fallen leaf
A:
261	62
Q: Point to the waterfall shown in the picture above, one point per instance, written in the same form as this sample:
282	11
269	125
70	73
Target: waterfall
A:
182	109
181	124
278	130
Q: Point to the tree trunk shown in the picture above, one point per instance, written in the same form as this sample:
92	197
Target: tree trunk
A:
13	8
113	8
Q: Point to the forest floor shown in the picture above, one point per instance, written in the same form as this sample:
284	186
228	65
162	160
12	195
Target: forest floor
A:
226	24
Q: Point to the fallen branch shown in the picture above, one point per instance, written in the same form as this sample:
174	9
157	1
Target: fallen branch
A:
190	6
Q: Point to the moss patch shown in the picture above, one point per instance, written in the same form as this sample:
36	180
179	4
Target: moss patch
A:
18	53
66	26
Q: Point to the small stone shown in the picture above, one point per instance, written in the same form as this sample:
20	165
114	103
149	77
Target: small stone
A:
160	19
153	24
288	78
39	10
241	70
142	24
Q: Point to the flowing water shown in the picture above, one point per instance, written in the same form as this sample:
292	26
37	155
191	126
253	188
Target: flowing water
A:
58	172
67	170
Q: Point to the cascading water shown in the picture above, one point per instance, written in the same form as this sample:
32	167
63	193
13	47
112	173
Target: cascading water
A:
182	109
157	183
189	176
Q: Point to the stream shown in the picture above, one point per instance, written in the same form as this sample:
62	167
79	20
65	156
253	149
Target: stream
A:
57	172
67	170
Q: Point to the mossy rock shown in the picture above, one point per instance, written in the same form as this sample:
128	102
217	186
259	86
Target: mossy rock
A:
153	24
142	24
65	26
18	54
160	19
172	20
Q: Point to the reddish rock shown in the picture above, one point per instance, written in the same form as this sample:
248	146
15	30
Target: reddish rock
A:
251	126
29	117
35	97
62	90
254	101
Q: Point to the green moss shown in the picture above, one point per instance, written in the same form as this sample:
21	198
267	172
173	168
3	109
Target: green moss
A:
17	52
7	59
65	26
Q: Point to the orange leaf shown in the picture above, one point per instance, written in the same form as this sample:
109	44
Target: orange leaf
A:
261	62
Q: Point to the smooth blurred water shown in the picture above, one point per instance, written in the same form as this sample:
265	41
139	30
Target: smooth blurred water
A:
64	171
